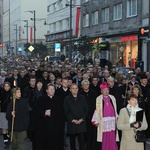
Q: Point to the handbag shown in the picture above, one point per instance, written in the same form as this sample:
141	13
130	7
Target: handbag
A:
140	136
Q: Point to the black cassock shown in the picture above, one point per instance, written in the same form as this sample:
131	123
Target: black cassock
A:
48	130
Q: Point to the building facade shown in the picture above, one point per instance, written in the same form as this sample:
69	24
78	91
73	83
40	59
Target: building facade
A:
16	31
58	20
118	22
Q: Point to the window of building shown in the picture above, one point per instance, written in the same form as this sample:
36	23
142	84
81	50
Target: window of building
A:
55	7
60	4
86	20
105	15
48	8
60	25
95	18
67	23
84	1
118	11
131	8
54	27
73	1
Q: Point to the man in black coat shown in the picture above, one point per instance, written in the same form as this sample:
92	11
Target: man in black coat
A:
13	80
63	92
29	94
76	110
49	121
116	91
95	85
145	91
45	79
23	81
90	97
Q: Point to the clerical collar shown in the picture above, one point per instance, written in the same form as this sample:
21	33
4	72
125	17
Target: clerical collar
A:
86	91
143	84
65	89
50	96
132	82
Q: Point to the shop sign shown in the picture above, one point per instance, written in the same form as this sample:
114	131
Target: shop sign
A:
104	46
58	36
129	38
57	47
144	31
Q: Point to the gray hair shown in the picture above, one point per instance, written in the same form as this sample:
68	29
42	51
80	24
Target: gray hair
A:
85	81
86	76
110	79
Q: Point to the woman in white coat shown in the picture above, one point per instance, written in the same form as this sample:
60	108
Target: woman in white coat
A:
127	123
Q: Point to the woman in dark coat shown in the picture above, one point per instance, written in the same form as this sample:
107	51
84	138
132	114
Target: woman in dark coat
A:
21	120
136	89
5	95
39	89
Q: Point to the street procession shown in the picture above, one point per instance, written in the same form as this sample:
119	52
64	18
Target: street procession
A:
74	75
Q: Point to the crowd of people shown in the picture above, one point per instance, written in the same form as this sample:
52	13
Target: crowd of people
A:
48	101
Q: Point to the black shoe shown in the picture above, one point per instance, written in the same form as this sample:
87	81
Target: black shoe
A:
6	145
65	145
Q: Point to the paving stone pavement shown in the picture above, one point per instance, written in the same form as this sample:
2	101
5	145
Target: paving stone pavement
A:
28	144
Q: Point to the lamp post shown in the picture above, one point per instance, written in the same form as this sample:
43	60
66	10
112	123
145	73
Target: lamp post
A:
148	44
34	18
70	42
70	33
27	26
16	37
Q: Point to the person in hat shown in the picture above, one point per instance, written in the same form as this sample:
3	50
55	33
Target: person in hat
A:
144	84
106	111
113	72
132	82
145	91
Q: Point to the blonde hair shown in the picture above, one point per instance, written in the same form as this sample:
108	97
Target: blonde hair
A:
136	87
14	90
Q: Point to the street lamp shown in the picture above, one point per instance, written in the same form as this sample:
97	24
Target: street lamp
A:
16	37
70	44
26	28
33	12
71	5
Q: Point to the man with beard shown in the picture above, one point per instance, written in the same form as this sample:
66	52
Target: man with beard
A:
90	97
5	95
49	121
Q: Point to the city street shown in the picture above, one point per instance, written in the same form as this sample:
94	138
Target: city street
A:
28	144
